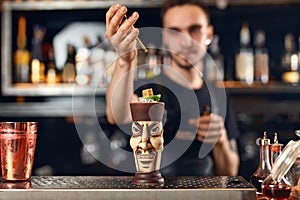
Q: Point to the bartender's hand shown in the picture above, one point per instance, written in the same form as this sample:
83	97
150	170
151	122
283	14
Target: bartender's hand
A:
121	32
210	128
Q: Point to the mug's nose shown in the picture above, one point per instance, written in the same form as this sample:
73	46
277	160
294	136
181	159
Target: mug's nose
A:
143	143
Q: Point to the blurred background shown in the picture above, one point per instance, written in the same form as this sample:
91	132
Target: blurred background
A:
48	46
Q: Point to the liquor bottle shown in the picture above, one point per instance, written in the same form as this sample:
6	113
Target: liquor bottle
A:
264	167
22	55
261	59
289	50
37	62
51	67
153	62
152	65
141	63
165	58
69	71
97	64
83	68
244	60
275	149
214	65
289	60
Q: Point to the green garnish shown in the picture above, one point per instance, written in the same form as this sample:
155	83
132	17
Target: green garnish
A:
154	97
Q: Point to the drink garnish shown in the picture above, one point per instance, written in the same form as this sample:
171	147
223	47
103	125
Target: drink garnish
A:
148	96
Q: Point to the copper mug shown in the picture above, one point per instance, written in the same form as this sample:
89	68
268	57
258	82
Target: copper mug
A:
17	147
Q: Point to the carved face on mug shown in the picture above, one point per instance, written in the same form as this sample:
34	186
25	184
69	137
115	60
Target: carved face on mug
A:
147	144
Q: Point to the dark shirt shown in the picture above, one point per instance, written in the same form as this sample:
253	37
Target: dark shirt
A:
188	156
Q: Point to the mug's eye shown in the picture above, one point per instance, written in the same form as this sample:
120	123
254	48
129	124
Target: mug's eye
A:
156	130
136	131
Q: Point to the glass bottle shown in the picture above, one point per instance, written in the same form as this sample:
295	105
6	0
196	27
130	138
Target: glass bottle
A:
214	66
276	190
289	50
244	59
289	61
152	66
275	149
37	53
276	186
83	68
165	58
69	72
264	167
152	61
293	175
51	67
22	55
261	59
141	65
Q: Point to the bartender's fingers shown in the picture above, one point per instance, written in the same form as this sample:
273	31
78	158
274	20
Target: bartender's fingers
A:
111	12
211	130
209	127
125	45
118	40
204	121
126	40
128	23
126	31
114	21
210	135
206	139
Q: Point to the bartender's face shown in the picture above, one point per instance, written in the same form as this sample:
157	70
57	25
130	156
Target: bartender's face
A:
186	30
147	144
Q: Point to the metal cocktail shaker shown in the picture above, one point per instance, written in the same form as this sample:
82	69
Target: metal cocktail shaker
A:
17	145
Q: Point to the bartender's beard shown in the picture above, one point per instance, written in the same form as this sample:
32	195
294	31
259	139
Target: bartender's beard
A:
186	66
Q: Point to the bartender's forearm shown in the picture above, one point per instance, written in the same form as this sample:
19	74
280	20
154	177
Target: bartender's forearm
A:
226	158
119	92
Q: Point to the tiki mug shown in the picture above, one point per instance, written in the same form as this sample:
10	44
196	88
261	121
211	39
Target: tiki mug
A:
147	141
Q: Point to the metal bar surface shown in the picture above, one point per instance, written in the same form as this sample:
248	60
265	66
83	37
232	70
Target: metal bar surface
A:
120	187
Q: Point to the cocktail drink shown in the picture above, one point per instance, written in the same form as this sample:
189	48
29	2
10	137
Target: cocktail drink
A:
147	141
17	144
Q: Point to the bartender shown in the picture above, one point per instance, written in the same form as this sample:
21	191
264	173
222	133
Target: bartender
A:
200	144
